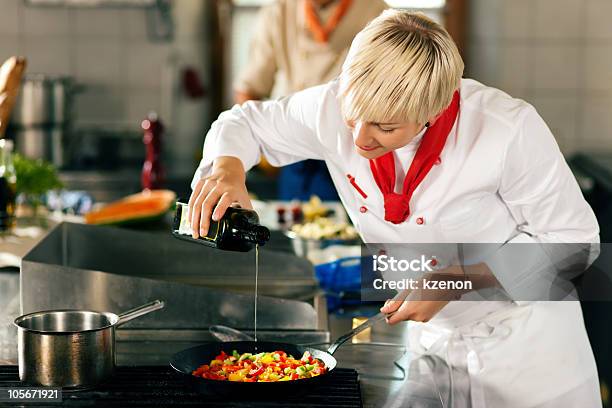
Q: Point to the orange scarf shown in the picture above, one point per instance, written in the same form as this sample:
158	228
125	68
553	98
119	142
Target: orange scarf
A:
319	32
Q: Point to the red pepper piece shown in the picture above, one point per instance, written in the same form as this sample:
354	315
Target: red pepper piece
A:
255	372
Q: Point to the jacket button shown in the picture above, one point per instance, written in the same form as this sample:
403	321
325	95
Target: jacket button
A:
363	209
438	161
420	221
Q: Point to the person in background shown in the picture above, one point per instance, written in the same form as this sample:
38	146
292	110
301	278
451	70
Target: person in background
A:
298	44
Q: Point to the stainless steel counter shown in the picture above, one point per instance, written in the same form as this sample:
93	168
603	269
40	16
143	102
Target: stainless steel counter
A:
390	376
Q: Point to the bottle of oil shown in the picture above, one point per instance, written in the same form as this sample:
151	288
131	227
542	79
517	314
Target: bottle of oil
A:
8	181
237	230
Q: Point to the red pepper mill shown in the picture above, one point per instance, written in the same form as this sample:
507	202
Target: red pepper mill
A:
152	171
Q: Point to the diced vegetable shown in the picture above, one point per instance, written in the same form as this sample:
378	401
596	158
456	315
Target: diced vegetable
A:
267	359
261	367
235	377
325	228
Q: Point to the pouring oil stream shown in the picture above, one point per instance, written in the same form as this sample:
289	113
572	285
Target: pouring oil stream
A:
256	281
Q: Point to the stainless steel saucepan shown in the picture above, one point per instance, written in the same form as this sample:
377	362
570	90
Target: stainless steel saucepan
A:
73	349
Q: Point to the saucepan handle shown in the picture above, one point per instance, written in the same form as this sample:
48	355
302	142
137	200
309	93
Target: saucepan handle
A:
140	311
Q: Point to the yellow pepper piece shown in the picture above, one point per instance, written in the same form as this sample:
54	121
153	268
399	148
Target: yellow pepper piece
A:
235	377
267	359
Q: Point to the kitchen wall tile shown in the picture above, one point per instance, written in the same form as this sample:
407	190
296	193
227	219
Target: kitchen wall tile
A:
145	63
515	67
598	68
555	67
100	105
108	52
593	143
99	62
517	19
190	14
598	25
558	19
98	22
48	21
141	102
555	54
49	55
484	19
9	17
10	45
596	122
560	114
520	93
134	24
483	62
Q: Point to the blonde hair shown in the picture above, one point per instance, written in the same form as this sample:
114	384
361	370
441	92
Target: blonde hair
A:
401	67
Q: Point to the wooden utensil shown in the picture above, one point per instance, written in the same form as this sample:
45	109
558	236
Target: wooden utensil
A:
11	73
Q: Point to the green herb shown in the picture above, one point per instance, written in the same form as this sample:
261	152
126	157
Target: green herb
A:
35	177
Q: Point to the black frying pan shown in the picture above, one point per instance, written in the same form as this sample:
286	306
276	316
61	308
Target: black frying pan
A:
187	361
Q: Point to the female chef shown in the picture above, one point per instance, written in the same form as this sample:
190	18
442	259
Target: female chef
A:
419	154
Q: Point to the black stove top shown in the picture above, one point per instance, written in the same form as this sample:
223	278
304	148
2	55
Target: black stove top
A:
161	387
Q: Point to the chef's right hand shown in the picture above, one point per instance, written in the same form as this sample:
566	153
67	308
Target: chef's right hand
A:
213	194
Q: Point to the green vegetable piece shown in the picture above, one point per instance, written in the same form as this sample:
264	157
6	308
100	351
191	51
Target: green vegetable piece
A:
245	356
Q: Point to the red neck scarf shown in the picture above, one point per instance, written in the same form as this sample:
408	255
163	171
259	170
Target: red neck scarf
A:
397	206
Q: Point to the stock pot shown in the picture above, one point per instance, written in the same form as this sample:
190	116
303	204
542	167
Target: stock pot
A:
44	100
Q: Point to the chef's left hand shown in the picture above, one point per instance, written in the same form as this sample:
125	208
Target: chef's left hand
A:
420	305
407	308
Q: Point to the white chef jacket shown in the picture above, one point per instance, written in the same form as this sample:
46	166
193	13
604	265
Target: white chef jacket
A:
501	179
283	48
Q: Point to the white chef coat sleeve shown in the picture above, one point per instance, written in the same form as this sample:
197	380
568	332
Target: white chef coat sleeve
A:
558	232
285	130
